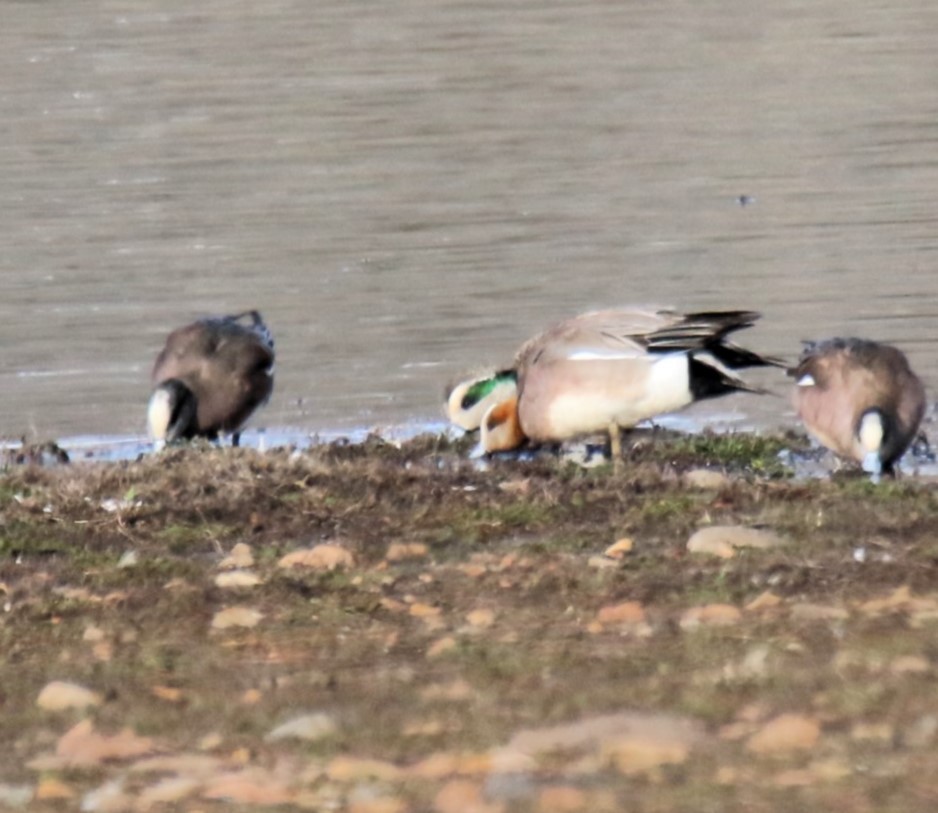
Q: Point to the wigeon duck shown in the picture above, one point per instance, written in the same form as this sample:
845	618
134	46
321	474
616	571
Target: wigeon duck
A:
468	401
860	399
608	370
210	377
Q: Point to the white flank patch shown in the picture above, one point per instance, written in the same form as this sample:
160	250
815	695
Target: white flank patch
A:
661	385
807	380
668	385
159	412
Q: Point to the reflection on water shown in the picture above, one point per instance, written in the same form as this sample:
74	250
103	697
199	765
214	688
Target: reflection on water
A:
408	192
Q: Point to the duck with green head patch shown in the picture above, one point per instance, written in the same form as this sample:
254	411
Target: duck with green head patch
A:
608	370
468	401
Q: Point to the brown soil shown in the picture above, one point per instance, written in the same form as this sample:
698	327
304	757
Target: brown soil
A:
478	610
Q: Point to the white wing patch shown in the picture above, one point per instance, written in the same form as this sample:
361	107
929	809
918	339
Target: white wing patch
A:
601	355
807	380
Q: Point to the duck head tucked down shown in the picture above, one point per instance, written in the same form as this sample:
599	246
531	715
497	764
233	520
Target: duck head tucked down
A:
860	399
210	377
608	370
468	401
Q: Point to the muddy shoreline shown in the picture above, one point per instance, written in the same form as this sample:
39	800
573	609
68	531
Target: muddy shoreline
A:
530	635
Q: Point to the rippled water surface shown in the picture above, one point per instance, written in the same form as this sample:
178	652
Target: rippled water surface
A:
408	189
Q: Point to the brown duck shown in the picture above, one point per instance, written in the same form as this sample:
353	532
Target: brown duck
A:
210	377
860	399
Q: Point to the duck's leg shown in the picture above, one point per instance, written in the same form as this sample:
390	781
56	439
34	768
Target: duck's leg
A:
615	447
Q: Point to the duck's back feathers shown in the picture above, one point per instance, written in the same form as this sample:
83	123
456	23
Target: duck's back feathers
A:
619	367
227	365
840	382
633	333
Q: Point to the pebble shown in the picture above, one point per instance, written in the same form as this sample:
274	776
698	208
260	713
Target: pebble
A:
16	795
706	479
725	540
59	695
240	557
319	557
237	578
236	617
313	726
785	733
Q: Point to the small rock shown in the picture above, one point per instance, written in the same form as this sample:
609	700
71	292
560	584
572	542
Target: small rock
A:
562	799
109	798
910	665
363	799
236	617
896	601
167	791
315	726
112	505
59	695
710	615
921	733
602	562
873	732
818	612
481	618
725	540
51	789
251	697
785	733
420	610
210	741
237	578
607	730
15	795
705	479
168	693
515	486
352	769
628	612
400	551
320	557
830	770
93	634
619	548
463	796
441	647
393	605
507	785
240	557
456	691
764	601
128	559
81	746
636	755
794	778
251	786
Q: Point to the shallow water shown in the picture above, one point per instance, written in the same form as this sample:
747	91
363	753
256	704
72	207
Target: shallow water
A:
407	191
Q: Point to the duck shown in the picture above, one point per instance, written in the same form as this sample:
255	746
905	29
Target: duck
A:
469	400
860	399
210	377
608	370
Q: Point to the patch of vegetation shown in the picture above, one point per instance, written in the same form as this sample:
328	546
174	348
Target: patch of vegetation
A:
745	452
507	622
